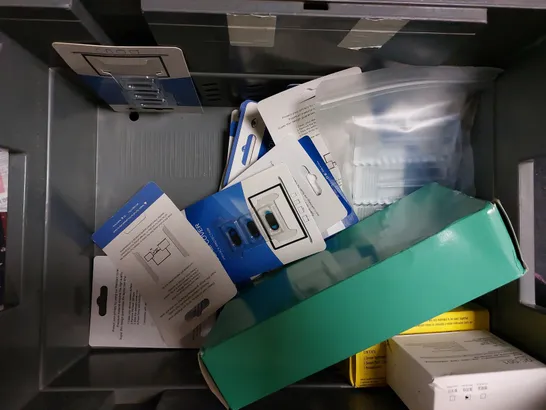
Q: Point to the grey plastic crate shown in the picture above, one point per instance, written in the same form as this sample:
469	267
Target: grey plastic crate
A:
35	24
75	162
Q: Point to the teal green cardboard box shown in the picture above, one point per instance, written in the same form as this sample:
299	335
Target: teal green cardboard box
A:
428	253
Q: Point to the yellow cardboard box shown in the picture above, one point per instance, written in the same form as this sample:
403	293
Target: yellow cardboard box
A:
367	368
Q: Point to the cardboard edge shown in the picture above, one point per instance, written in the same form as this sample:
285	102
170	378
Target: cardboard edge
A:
210	381
352	370
511	232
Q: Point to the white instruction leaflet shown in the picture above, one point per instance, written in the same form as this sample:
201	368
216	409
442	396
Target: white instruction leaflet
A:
292	114
120	316
177	273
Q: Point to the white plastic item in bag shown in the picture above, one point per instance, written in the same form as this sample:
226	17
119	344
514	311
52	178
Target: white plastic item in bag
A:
396	129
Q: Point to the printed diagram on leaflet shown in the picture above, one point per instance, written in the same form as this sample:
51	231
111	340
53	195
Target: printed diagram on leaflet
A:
159	254
156	256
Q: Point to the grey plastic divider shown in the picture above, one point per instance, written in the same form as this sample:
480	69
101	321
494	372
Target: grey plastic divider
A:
70	215
24	129
291	399
519	130
74	400
430	36
361	9
122	21
35	24
538	4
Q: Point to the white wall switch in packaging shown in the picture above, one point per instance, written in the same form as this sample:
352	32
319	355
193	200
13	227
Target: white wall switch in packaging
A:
321	193
120	316
250	143
149	79
292	114
471	370
177	273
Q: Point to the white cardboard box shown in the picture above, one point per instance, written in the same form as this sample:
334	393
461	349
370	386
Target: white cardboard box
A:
472	370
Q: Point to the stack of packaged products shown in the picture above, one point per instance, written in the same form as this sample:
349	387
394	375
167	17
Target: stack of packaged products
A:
303	167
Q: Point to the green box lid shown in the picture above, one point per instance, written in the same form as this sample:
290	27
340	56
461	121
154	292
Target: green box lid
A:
428	253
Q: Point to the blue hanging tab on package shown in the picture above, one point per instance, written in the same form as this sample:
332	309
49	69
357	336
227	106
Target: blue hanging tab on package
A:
251	142
142	79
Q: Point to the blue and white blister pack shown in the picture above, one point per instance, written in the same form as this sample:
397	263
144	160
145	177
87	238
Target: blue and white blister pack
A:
145	79
251	141
257	225
323	196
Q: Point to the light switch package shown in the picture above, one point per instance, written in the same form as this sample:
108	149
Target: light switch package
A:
320	192
258	224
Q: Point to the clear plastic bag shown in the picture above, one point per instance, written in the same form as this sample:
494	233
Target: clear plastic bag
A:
394	130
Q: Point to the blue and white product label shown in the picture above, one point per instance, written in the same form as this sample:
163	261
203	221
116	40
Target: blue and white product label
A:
160	252
320	191
251	141
146	79
257	225
233	123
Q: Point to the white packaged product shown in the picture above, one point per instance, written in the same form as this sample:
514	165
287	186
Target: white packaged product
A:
396	129
471	370
320	192
120	316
